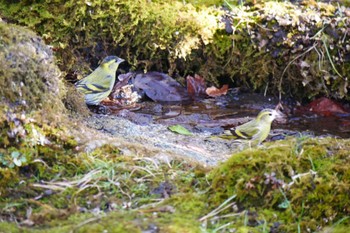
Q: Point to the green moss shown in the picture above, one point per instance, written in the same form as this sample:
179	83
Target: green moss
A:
125	188
289	53
30	79
314	181
9	227
111	181
8	178
301	183
144	32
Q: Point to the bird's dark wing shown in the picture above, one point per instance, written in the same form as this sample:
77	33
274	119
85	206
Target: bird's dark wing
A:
240	134
247	130
90	88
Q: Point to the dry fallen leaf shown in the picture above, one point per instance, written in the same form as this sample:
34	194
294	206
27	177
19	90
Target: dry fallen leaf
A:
215	92
196	85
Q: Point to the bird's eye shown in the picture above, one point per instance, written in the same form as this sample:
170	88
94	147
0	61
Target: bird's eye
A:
270	114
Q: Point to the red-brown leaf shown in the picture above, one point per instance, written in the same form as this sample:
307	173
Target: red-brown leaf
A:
195	85
326	107
215	92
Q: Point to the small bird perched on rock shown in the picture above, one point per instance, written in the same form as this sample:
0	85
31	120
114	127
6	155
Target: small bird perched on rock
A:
99	84
257	129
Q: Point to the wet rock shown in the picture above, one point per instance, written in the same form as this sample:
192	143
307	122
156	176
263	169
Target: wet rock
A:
137	118
157	141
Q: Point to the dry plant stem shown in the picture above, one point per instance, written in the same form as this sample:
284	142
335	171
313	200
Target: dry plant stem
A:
141	168
151	205
90	220
329	58
148	159
219	209
229	215
290	63
49	186
311	172
223	226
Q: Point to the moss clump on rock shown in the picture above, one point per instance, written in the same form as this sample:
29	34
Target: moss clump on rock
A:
149	34
298	183
31	108
303	184
30	79
296	49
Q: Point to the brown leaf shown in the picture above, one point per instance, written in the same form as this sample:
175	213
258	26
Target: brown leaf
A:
160	87
215	92
323	106
196	85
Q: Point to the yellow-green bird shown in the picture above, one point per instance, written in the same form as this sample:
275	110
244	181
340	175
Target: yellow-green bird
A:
257	129
99	84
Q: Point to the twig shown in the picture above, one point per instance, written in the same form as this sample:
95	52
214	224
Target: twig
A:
289	64
329	57
141	168
90	220
222	227
229	215
148	159
49	186
311	172
218	209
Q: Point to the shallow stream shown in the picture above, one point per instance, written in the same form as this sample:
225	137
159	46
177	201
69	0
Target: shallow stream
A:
215	115
146	130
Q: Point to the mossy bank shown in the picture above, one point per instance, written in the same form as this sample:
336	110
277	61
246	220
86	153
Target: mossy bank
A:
297	49
51	181
296	185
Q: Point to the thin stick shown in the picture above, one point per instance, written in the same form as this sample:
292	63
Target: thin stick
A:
90	220
289	64
218	209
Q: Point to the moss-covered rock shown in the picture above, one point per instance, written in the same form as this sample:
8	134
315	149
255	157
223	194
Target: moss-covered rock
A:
31	107
303	184
30	79
150	34
297	49
281	187
276	46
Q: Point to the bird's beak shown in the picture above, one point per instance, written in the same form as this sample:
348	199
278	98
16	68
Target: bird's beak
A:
278	114
119	60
